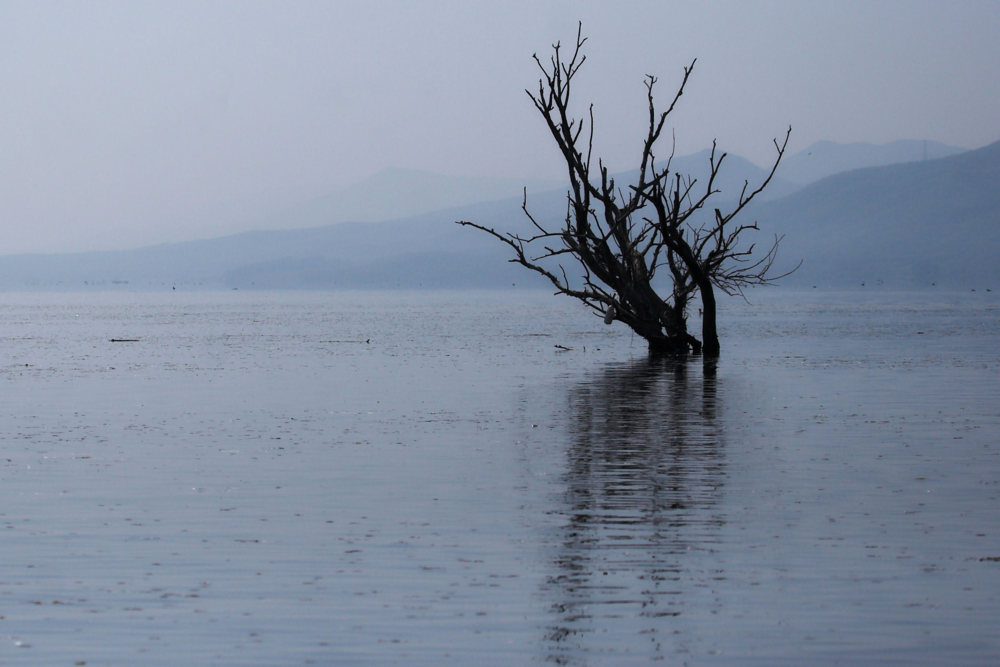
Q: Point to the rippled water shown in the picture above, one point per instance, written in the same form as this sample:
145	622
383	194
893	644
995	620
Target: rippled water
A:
425	478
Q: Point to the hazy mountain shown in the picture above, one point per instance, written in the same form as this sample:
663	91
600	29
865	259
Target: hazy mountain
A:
826	158
914	224
392	194
418	250
427	250
735	172
934	221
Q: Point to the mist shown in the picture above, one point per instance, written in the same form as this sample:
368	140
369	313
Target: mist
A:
124	125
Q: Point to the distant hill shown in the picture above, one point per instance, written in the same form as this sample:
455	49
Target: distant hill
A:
907	225
826	158
392	194
299	249
735	172
429	250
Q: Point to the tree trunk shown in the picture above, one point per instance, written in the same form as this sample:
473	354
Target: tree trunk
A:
709	333
668	345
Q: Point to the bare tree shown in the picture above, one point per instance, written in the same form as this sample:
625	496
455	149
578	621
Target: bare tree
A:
622	238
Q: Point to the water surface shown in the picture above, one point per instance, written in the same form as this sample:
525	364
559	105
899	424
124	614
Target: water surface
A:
425	478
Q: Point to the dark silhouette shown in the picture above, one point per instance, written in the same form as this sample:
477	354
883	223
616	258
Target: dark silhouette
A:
623	236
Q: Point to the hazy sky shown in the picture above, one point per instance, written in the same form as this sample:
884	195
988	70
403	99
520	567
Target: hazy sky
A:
126	123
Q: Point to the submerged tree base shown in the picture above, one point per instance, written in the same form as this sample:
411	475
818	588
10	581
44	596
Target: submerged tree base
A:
674	345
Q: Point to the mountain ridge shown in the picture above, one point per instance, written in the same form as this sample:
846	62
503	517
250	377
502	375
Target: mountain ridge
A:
826	158
911	225
906	211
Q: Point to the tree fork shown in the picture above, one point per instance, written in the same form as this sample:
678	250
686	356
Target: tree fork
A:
618	248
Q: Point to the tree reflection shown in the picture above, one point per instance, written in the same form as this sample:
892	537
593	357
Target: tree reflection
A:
644	473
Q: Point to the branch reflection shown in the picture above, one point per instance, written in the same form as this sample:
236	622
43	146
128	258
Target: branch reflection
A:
644	475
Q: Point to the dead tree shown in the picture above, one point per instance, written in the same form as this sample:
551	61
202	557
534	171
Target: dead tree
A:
622	238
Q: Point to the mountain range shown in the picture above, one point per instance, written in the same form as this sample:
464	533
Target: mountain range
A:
918	224
393	194
908	225
826	158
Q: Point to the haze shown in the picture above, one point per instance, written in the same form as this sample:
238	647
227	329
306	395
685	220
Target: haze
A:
126	124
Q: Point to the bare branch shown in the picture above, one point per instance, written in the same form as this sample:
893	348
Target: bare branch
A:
620	237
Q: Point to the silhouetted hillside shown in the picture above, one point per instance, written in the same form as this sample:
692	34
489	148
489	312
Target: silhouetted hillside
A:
428	250
393	194
826	158
736	172
906	225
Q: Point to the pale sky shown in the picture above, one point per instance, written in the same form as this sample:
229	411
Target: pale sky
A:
127	123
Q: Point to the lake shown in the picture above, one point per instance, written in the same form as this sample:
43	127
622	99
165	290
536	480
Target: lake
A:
240	478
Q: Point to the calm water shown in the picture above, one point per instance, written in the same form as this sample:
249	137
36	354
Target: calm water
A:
425	478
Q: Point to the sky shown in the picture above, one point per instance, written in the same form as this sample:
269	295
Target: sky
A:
129	123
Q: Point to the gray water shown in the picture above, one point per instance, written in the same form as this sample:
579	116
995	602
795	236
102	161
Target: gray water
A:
425	478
